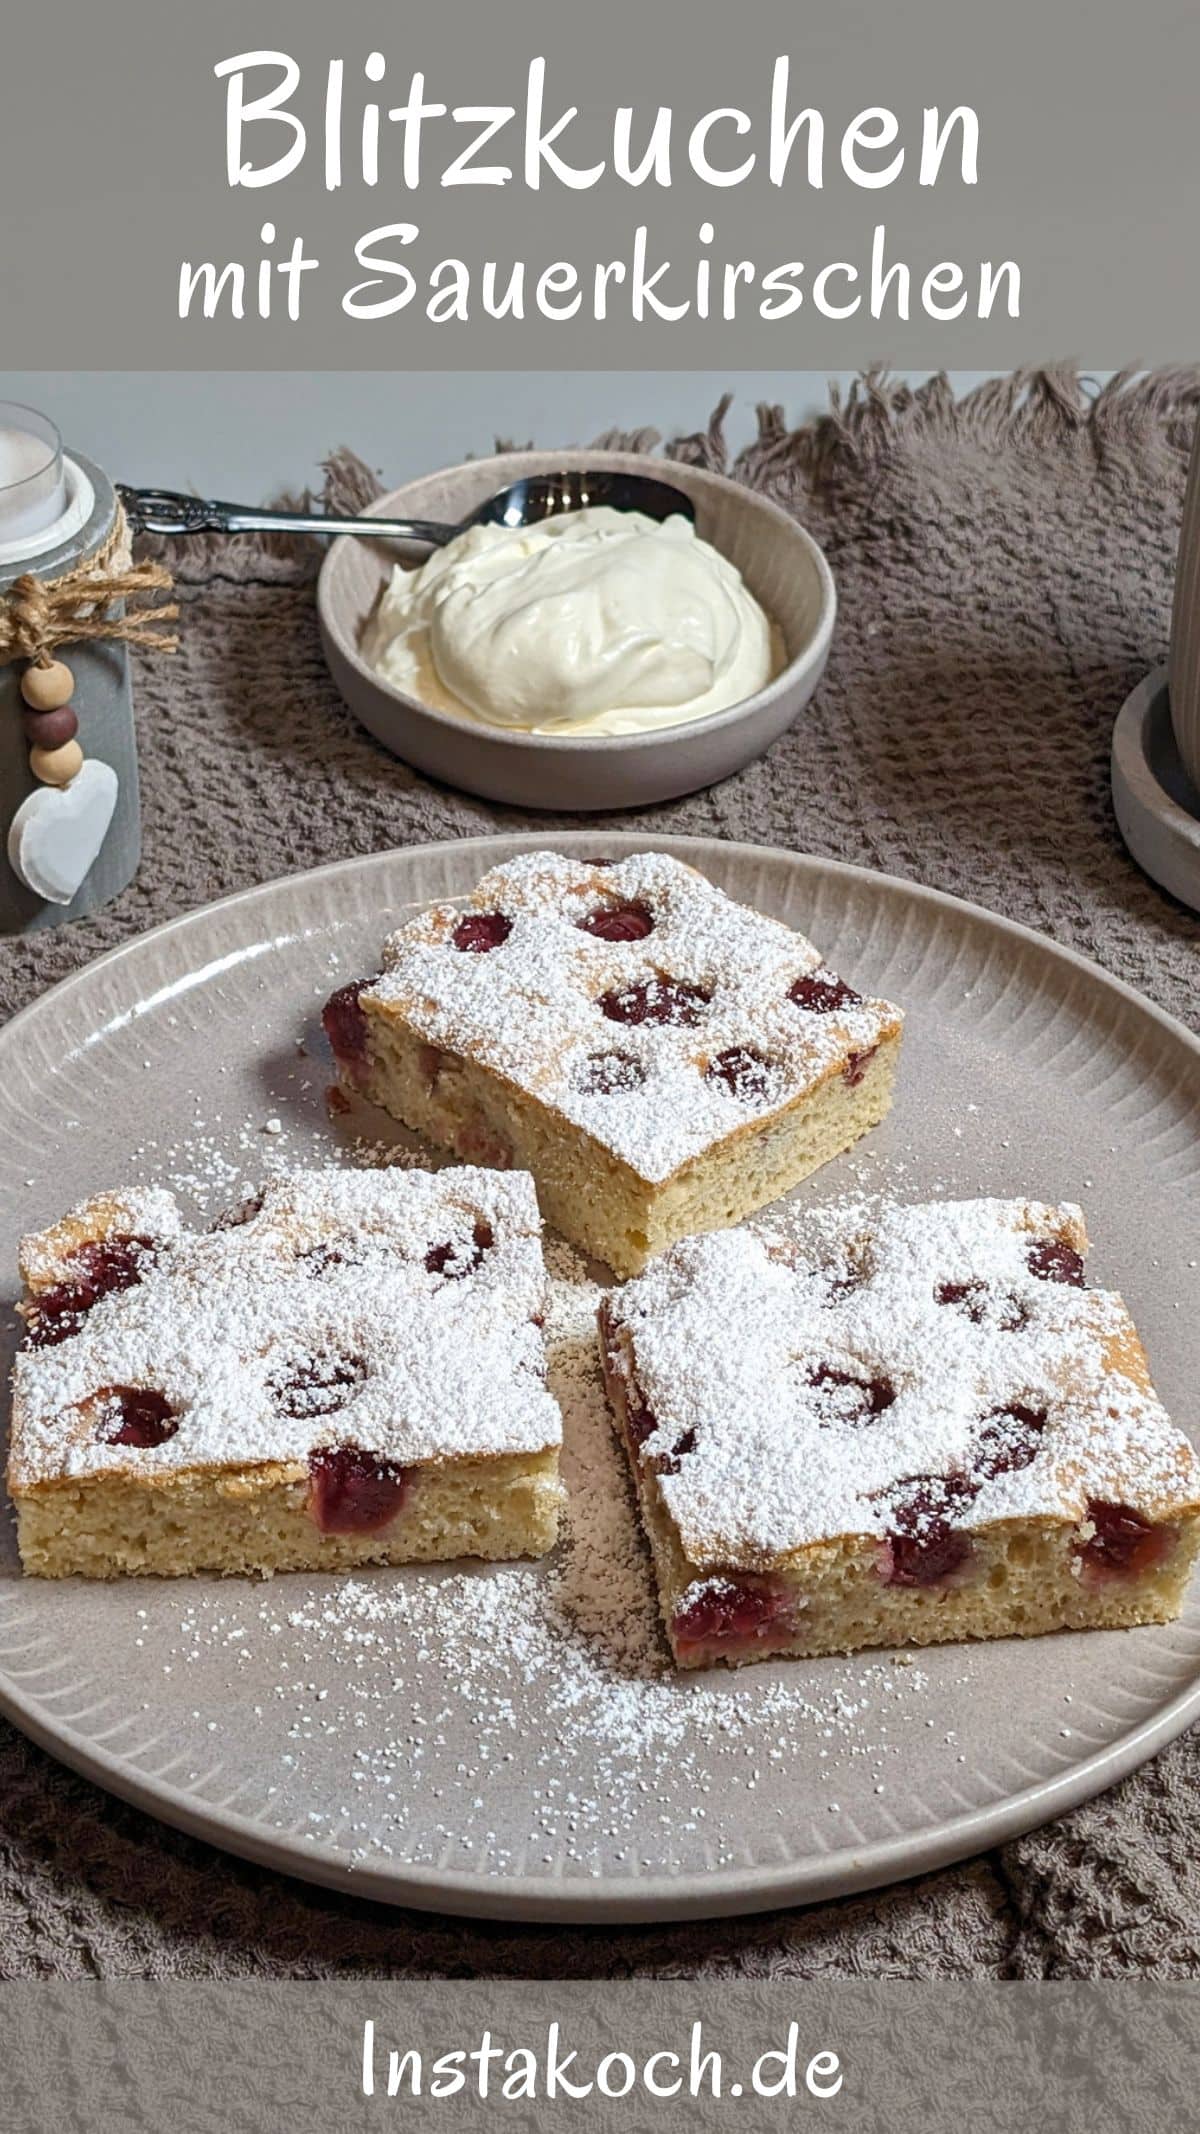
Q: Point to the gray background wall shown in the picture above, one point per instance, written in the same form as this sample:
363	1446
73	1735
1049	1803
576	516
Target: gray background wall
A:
248	435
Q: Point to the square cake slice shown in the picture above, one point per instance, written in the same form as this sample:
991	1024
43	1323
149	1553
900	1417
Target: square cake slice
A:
351	1371
895	1426
662	1059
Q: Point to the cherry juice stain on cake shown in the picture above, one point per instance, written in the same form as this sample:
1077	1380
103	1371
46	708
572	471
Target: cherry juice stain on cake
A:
640	1419
345	1025
317	1384
455	1261
96	1270
976	1300
655	1000
823	993
968	1297
1052	1261
668	1463
1010	1440
1122	1543
618	922
746	1072
340	1249
728	1612
922	1545
481	931
608	1074
135	1415
641	1423
354	1492
850	1270
852	1399
856	1066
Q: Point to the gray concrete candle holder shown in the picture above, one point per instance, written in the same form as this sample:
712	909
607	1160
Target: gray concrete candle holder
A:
1156	740
105	706
1183	671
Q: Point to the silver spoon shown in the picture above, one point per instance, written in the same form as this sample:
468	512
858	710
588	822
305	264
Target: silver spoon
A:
523	503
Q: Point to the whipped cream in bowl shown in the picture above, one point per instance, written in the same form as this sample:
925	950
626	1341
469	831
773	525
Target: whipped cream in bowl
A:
595	622
600	659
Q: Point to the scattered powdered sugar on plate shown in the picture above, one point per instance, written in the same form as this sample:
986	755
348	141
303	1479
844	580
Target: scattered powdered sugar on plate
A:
581	1732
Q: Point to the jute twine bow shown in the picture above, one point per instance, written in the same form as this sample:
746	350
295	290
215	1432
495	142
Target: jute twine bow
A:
36	614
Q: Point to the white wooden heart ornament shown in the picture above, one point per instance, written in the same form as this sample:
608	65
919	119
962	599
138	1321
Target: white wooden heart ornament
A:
56	834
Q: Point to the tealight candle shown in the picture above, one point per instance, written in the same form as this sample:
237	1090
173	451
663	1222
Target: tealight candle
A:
33	486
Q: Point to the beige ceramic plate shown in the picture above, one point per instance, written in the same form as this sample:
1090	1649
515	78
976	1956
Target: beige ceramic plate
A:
431	1737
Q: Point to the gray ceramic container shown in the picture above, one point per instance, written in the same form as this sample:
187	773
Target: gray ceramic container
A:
105	707
781	564
1184	670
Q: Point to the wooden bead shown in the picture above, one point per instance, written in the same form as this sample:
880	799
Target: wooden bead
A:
56	766
48	688
49	729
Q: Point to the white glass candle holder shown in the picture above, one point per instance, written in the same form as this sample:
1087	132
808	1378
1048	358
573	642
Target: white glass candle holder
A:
33	480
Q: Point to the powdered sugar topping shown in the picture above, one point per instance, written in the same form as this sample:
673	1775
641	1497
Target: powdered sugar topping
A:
811	1374
135	1211
618	1029
395	1310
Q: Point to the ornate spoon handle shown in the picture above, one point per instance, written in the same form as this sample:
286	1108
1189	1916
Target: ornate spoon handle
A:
170	511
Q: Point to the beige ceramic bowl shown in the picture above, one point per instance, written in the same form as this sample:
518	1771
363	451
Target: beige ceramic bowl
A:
780	563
